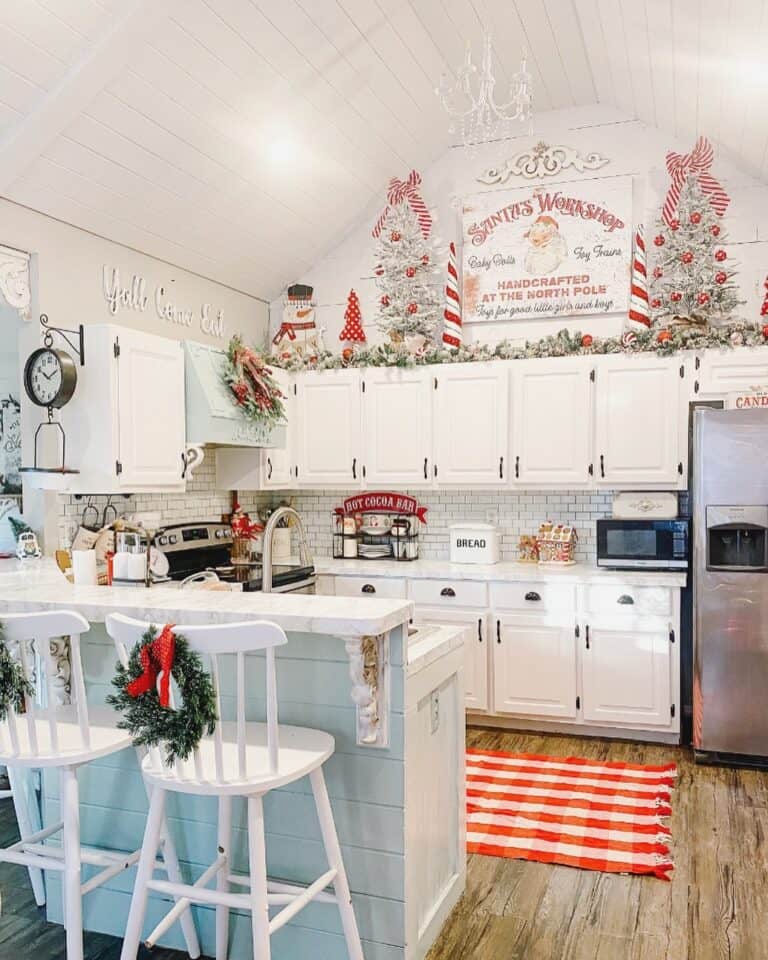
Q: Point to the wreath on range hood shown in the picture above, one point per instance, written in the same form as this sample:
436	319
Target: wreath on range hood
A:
250	382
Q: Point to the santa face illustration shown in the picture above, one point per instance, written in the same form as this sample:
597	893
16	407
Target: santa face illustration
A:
547	247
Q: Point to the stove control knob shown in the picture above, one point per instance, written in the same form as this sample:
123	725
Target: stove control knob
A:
173	538
162	541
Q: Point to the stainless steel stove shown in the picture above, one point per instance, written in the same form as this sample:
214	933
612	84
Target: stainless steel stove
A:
201	551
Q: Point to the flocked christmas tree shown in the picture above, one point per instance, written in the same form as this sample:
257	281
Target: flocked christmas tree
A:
410	305
692	282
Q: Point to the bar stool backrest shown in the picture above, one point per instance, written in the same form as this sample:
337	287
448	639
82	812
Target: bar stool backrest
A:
28	638
214	642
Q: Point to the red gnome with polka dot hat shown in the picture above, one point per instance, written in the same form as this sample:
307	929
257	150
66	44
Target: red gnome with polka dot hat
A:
353	328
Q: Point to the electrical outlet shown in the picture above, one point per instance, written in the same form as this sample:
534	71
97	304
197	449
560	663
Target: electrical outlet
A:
434	711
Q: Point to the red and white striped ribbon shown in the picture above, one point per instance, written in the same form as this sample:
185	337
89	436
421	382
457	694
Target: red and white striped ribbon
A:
639	311
453	335
405	190
697	162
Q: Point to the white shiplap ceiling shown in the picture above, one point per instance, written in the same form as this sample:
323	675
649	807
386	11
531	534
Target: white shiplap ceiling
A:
240	139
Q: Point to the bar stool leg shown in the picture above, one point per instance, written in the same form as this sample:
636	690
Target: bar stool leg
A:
333	853
23	800
222	884
172	868
73	901
257	862
144	872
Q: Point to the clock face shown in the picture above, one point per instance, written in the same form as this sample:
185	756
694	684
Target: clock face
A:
50	377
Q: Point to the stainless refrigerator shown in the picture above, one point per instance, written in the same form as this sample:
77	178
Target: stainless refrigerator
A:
730	584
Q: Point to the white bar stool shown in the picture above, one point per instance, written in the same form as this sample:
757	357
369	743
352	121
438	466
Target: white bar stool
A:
27	817
241	759
63	738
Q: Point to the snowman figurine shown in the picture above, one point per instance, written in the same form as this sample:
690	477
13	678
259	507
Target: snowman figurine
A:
27	547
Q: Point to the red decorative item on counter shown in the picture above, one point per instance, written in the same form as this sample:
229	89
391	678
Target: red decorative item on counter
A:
587	340
156	661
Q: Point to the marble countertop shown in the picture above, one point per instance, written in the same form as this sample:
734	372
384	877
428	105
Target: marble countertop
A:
40	585
506	571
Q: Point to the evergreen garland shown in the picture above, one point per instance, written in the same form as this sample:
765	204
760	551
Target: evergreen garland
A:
148	722
14	686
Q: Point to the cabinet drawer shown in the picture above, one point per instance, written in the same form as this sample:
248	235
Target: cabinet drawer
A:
388	587
618	598
533	597
449	593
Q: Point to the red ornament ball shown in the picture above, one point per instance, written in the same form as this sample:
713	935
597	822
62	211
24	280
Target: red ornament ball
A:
674	224
721	276
765	332
695	217
720	255
385	300
394	236
412	308
715	230
425	259
659	240
703	298
586	340
687	257
675	296
655	303
410	271
347	353
658	272
379	271
664	336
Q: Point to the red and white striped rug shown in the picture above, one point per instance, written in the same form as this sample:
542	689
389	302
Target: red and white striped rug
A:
569	810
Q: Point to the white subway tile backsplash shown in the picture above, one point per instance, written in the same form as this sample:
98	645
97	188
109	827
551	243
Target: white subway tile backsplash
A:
517	512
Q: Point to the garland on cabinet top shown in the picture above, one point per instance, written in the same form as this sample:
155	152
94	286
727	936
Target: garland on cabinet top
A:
147	712
249	379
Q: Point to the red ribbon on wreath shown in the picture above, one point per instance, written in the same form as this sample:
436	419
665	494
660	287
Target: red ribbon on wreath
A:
697	163
400	190
156	661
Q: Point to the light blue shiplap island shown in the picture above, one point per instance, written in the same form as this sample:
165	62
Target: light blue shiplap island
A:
395	780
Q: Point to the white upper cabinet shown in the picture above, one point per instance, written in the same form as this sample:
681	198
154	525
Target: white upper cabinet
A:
471	424
720	372
277	464
551	421
637	410
397	432
328	429
152	422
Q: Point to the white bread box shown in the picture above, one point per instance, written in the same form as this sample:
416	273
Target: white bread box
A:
474	543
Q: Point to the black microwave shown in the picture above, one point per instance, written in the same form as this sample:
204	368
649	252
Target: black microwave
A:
642	544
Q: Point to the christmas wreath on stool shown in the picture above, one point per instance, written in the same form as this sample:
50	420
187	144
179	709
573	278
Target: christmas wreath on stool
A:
144	694
252	385
14	686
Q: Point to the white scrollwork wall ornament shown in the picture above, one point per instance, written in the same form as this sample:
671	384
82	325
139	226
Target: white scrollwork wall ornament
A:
542	160
14	280
366	665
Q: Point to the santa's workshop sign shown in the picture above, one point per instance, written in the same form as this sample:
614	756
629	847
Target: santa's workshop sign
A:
550	251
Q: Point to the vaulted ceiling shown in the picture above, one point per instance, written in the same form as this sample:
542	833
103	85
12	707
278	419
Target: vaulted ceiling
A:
240	139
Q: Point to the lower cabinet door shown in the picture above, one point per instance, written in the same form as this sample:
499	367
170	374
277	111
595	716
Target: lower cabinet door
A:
534	666
476	641
626	672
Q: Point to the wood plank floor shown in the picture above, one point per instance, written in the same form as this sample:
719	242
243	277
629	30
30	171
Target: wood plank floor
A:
716	906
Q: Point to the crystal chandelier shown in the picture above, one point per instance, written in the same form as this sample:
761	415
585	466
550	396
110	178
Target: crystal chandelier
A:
476	116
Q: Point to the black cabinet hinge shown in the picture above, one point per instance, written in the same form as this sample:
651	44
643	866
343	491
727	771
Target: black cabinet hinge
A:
116	348
672	710
118	467
671	636
578	703
592	375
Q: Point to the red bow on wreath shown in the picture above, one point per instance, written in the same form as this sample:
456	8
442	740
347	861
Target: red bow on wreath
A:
156	658
696	163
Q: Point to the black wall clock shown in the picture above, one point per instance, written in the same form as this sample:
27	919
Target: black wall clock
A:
50	377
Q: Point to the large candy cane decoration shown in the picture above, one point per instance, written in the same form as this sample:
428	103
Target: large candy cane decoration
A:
452	332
